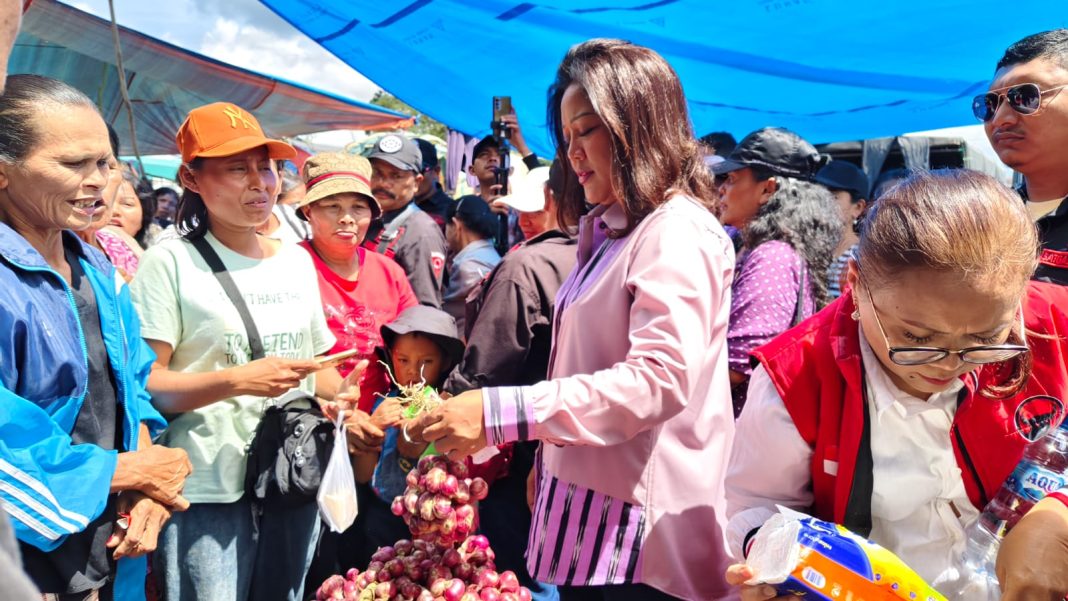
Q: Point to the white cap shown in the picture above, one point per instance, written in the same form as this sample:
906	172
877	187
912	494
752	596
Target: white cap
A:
528	194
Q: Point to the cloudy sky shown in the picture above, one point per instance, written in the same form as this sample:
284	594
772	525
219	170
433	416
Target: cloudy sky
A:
240	32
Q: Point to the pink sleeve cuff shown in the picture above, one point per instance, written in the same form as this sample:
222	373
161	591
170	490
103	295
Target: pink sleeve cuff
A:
509	417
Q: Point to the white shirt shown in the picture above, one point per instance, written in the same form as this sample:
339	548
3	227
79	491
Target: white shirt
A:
918	489
291	229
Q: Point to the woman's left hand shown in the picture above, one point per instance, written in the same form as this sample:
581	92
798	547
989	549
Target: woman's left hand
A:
146	520
1033	558
456	428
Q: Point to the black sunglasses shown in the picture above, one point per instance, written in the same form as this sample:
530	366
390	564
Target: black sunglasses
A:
1024	98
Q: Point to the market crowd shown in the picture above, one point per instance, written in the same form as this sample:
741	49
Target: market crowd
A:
660	338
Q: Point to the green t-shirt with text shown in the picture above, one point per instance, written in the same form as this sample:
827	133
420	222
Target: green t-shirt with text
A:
182	304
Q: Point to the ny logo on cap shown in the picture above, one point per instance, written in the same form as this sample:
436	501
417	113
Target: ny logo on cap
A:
236	114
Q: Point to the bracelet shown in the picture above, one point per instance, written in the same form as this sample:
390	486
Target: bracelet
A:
404	433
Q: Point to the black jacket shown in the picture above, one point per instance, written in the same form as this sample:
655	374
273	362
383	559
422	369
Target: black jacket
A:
510	317
1053	232
1053	236
419	249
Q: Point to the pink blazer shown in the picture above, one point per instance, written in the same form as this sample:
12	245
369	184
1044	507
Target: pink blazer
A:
636	418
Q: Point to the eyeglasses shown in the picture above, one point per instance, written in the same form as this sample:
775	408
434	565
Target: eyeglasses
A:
922	355
1024	98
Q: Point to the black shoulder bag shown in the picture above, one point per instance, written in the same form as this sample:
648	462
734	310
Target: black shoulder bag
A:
290	449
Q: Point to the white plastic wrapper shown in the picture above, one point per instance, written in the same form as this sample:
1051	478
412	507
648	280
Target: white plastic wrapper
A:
337	492
485	455
807	558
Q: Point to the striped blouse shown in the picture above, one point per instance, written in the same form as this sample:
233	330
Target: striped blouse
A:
636	422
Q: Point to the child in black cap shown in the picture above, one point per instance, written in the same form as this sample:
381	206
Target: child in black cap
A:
421	348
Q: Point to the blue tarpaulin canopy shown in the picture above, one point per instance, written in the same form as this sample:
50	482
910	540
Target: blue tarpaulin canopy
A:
828	69
166	81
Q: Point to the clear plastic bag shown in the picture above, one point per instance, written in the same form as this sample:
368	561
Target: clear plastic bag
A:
337	492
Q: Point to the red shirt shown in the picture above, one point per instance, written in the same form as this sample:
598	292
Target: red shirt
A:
356	312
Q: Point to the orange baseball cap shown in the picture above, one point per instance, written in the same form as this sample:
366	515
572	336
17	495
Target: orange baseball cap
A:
222	129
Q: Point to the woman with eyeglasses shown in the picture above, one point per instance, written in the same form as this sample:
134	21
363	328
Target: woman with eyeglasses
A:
894	411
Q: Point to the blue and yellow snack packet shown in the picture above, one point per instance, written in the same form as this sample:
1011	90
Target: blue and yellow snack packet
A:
812	559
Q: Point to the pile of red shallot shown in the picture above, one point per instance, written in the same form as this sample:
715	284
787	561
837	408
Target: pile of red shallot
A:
444	562
425	571
437	505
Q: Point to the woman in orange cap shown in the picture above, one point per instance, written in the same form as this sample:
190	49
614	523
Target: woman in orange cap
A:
215	377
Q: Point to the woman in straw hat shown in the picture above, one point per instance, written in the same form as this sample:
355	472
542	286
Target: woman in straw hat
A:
361	291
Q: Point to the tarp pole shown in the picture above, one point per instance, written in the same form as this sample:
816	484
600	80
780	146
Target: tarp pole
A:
123	88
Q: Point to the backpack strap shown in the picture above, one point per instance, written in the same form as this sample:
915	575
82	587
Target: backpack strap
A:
393	228
799	310
219	270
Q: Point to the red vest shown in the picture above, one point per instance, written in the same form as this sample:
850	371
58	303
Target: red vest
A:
816	369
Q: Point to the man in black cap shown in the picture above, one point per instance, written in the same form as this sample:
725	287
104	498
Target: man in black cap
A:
469	235
486	161
1025	114
404	232
430	197
849	185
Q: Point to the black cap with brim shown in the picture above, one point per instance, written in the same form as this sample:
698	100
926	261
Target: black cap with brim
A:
778	150
436	324
843	175
726	166
486	143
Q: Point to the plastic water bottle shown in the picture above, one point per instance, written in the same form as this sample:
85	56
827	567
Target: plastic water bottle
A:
1042	470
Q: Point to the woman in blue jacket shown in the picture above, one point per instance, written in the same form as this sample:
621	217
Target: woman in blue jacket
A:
76	422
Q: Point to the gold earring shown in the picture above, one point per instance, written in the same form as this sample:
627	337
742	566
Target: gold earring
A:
856	315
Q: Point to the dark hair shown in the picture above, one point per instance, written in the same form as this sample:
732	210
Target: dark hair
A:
887	180
23	97
960	223
720	141
1051	45
148	215
113	139
478	217
429	152
556	178
191	218
164	190
640	99
804	215
485	227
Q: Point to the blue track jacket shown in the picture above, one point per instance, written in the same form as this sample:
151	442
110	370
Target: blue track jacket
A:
49	487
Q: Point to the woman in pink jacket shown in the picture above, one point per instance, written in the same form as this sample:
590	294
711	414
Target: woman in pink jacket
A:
636	417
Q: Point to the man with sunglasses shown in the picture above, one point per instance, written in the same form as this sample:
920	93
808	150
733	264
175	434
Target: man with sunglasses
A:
1025	114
